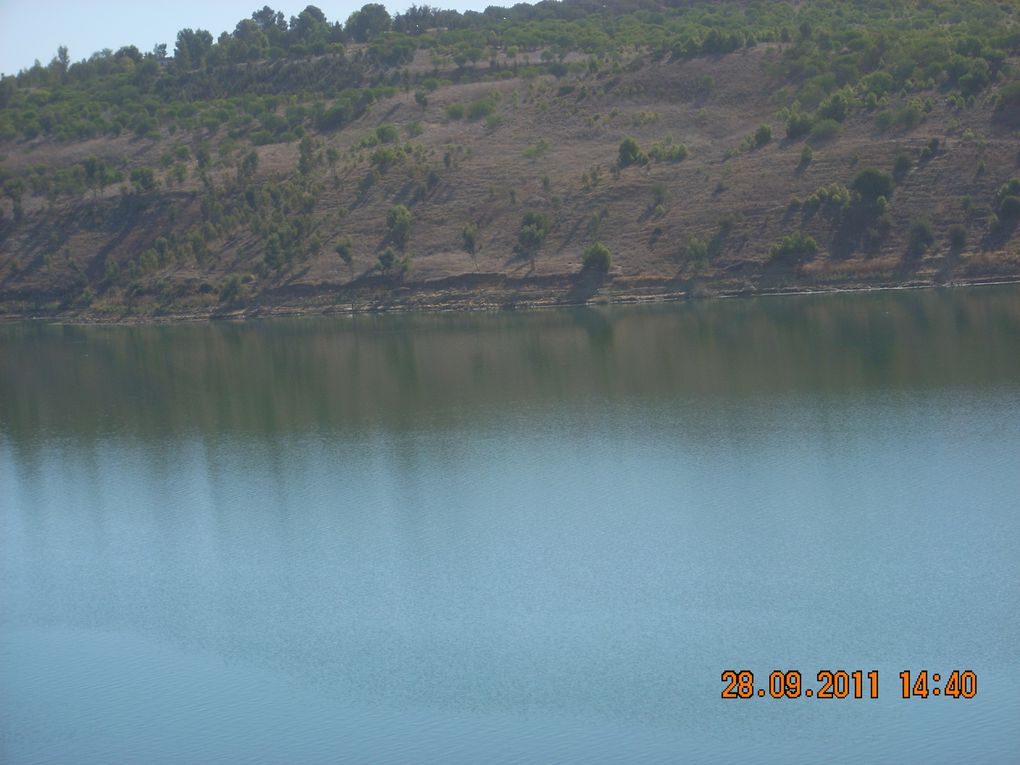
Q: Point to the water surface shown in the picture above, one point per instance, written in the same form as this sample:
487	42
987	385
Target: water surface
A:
512	537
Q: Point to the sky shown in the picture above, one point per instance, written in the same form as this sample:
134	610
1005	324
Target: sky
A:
34	29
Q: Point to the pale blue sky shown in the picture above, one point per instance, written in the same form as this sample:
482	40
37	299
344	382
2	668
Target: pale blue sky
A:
34	29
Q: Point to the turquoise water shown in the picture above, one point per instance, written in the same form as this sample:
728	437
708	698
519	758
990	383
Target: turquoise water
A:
514	537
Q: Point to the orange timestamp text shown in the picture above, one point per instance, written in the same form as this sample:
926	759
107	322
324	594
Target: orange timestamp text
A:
847	684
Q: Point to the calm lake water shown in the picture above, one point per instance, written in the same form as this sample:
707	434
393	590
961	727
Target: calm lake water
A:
514	537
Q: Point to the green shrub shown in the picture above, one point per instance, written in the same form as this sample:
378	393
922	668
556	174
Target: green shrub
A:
668	151
344	248
907	117
597	258
386	156
387	133
230	292
470	238
872	183
1009	208
762	135
536	150
398	220
930	150
535	228
1009	96
957	237
477	110
798	124
696	251
902	165
143	179
631	154
455	111
806	156
793	248
834	197
1010	188
660	194
387	258
834	108
825	130
919	236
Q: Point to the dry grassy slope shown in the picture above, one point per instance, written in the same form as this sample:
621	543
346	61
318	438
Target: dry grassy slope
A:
490	181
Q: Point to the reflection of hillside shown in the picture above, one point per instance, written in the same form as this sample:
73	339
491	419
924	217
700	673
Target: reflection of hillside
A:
397	372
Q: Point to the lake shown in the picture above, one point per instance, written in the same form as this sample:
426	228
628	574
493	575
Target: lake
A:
514	537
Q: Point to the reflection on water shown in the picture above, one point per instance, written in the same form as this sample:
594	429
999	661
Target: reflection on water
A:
392	371
512	537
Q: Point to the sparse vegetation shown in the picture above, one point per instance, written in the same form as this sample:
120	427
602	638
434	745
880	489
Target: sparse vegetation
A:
131	176
536	150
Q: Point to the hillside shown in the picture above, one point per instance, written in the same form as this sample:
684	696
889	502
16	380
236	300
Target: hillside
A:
464	160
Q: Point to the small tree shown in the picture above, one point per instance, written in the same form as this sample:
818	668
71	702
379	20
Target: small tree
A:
387	133
143	179
306	158
470	237
332	157
246	169
230	291
696	252
957	237
597	258
871	184
902	166
344	250
398	219
1009	208
793	248
798	124
631	154
386	259
762	135
920	237
534	229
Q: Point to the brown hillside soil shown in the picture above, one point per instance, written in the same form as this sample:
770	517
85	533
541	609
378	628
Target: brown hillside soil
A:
551	148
